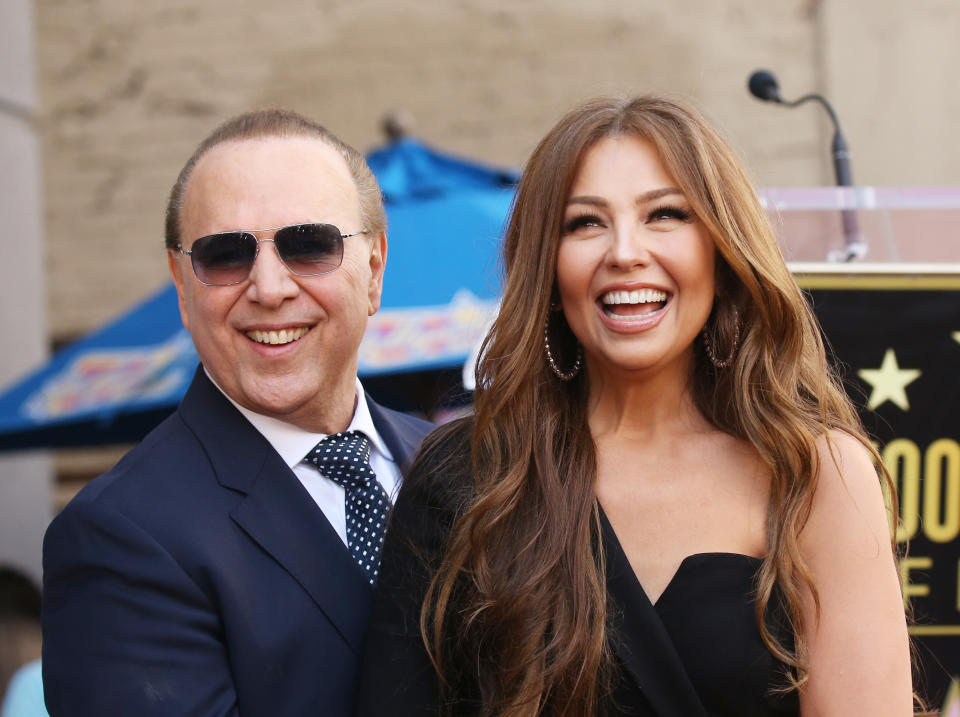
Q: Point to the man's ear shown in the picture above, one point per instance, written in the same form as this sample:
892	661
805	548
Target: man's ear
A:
378	264
176	273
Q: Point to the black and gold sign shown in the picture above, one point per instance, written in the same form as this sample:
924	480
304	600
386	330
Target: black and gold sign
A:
897	341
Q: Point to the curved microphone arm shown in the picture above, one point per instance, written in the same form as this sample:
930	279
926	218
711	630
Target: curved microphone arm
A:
816	98
839	149
763	85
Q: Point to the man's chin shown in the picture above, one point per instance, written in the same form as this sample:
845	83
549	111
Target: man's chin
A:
310	406
277	401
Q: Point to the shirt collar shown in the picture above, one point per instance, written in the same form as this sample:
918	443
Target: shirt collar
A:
294	443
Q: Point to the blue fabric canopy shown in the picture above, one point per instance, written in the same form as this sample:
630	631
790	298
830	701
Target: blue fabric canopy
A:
445	215
111	386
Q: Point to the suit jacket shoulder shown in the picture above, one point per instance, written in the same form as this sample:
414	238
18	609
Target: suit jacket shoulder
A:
402	433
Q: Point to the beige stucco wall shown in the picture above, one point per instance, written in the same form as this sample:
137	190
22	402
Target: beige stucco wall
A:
127	89
894	72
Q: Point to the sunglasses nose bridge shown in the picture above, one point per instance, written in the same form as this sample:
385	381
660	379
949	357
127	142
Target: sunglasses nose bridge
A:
270	240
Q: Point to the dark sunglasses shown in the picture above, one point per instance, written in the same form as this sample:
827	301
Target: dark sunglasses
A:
305	249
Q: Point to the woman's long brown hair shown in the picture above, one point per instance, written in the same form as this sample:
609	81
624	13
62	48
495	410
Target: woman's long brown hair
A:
520	598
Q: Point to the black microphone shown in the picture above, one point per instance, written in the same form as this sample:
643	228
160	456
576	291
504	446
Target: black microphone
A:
764	86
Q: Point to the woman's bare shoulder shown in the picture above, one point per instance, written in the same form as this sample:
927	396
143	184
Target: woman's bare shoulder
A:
848	501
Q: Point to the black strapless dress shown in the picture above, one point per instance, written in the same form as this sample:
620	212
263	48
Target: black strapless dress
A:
704	633
696	653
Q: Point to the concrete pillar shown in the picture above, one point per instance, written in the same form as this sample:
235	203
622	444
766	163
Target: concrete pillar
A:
25	478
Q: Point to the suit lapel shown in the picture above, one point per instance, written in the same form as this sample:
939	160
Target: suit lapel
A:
283	519
276	510
402	434
642	641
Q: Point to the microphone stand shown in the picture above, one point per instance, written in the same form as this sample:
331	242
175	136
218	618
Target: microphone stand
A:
763	85
854	246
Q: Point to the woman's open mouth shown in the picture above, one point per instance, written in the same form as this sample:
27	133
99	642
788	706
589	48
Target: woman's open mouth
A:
634	304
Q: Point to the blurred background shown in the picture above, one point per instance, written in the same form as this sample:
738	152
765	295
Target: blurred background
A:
101	102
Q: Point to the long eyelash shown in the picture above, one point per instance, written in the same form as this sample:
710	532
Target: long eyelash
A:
671	211
574	223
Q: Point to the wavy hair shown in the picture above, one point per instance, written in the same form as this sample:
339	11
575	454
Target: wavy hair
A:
521	595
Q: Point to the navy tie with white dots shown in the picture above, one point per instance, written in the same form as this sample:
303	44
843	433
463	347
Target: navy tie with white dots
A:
344	458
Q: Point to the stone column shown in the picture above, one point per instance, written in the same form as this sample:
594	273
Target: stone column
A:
25	478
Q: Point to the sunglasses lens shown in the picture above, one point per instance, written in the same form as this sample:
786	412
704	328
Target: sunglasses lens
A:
221	259
310	249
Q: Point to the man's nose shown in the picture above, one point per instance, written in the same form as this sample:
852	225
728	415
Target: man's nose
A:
271	282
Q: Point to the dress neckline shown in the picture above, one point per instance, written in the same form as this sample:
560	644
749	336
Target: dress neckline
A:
681	566
697	558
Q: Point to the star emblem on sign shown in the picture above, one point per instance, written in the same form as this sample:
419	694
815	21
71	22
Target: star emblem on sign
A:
889	382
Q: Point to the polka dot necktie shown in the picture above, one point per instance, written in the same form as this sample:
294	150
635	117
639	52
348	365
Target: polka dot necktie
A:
344	458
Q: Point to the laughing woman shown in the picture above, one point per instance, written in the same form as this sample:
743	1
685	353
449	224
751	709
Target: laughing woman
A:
664	503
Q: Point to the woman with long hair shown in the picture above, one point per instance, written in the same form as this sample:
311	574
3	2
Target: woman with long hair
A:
664	503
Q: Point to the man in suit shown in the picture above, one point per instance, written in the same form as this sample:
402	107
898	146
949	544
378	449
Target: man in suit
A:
225	565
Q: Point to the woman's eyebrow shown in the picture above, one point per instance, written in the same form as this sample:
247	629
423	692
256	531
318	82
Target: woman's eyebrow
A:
655	194
644	198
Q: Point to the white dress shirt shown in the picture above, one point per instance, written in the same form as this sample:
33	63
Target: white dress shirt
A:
293	444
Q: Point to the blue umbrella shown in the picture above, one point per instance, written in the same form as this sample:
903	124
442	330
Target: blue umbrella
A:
445	216
111	386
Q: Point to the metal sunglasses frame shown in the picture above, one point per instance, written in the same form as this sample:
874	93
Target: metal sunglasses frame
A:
259	241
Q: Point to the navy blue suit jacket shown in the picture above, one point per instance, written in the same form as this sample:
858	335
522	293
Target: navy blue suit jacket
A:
198	577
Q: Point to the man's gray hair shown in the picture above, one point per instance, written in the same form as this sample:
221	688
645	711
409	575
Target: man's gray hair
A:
280	123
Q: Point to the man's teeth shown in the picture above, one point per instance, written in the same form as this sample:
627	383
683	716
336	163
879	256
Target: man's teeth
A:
637	296
283	336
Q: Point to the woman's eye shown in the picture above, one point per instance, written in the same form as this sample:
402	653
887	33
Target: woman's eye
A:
661	214
581	222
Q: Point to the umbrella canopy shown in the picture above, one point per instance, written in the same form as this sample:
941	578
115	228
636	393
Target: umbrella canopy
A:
111	386
445	217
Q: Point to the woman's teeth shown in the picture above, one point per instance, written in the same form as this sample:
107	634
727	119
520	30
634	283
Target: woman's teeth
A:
637	296
283	336
631	304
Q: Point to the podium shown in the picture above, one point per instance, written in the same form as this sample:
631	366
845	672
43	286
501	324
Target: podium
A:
891	319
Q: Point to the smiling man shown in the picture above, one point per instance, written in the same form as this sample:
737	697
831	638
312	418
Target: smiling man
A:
225	565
